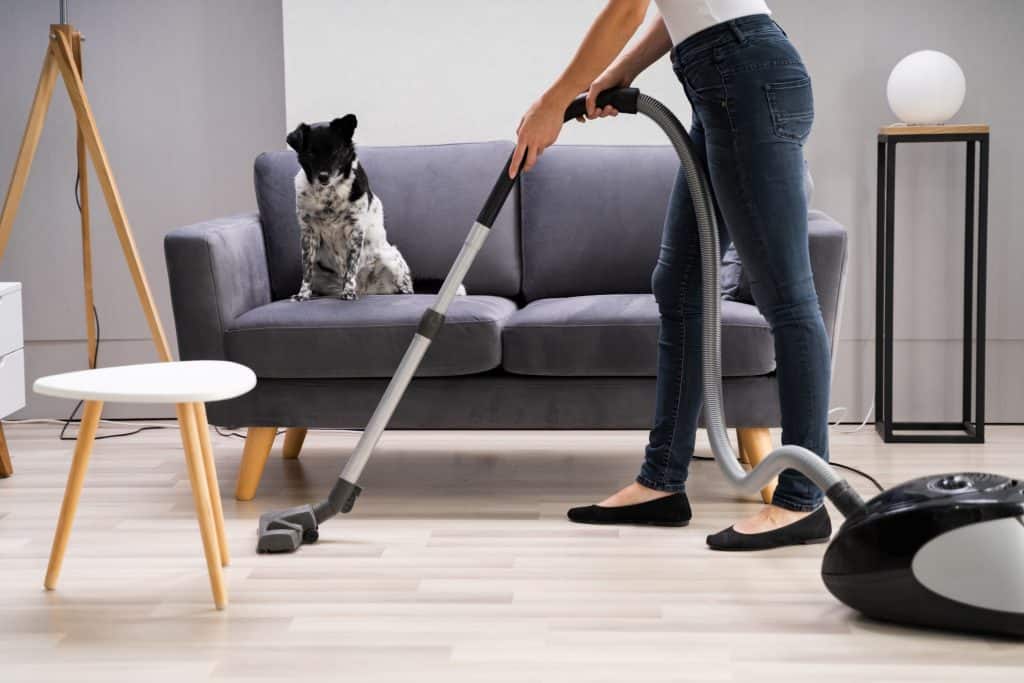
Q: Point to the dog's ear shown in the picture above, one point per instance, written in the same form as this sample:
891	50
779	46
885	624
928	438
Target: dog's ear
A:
345	126
298	137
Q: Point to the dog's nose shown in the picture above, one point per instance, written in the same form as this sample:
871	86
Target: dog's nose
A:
323	178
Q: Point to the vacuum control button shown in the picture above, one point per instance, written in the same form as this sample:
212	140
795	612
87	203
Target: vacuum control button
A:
954	483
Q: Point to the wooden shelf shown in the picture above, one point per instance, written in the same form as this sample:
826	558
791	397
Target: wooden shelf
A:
941	129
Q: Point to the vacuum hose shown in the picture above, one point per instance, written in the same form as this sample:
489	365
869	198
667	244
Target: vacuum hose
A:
839	491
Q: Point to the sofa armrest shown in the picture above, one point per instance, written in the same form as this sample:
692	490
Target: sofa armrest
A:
828	245
217	271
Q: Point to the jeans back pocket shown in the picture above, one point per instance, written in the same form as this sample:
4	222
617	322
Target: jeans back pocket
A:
792	108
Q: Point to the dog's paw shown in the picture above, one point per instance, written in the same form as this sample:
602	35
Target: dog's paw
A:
348	294
305	294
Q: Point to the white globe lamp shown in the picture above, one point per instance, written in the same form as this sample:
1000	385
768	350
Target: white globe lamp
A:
926	87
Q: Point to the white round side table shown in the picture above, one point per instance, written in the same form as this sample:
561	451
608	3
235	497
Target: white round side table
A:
189	385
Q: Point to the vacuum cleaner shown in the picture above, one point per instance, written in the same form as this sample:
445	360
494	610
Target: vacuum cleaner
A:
943	551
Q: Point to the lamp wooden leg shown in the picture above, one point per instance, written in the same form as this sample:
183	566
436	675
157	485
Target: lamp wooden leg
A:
61	49
258	443
6	469
755	444
201	495
213	485
76	478
83	201
293	440
29	142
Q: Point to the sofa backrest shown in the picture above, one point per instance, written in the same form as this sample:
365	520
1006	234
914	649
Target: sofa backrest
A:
431	195
592	218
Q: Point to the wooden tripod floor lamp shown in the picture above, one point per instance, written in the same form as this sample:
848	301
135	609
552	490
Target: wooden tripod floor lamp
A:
64	58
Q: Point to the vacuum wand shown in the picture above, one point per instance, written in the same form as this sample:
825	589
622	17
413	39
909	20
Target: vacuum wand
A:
286	530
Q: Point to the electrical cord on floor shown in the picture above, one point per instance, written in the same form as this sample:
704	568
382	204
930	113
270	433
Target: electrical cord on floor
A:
238	435
842	413
859	472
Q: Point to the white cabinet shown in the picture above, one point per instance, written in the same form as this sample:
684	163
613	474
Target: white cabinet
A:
12	353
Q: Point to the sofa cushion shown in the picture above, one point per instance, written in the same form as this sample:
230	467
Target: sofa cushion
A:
592	218
431	195
617	335
330	338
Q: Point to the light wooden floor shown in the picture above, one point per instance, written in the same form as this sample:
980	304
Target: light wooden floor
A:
456	565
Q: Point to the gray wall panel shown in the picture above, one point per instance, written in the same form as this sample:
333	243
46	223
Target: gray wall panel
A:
185	94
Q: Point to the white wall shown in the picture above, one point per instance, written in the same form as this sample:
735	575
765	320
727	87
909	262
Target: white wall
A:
448	70
426	72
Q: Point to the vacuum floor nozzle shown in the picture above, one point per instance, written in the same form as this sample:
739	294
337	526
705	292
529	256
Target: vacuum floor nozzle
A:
283	531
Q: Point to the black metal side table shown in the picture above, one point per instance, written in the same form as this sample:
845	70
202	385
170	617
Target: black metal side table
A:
971	427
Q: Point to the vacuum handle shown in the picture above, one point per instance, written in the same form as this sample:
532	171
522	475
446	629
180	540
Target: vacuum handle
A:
623	99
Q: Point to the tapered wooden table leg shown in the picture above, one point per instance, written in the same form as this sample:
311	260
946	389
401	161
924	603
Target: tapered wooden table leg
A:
83	210
6	468
73	490
213	485
201	494
293	440
739	447
258	443
755	444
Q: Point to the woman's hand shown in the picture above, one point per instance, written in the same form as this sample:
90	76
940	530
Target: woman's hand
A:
615	76
538	130
609	33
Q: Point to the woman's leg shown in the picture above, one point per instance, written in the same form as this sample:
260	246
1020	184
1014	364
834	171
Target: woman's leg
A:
677	286
755	158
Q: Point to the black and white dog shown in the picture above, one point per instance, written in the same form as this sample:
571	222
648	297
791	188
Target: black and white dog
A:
345	250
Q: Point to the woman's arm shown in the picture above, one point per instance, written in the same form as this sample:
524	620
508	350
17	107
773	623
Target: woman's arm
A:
609	33
653	44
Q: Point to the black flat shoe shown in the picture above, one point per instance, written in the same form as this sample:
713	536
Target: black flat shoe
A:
814	528
671	510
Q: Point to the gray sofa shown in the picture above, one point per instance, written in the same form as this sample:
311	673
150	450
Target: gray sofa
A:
559	328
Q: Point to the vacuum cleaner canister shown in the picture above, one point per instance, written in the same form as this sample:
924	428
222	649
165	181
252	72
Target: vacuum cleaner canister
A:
945	551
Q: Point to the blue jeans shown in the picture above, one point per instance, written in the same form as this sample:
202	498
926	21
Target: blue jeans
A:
752	111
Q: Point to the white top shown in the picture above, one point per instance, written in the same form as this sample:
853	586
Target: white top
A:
686	17
9	287
196	381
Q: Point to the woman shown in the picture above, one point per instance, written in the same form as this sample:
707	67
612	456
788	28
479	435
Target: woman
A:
752	111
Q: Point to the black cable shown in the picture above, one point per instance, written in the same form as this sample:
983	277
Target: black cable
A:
238	435
221	432
861	473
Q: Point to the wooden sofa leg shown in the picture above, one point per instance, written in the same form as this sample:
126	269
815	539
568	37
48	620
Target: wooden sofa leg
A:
293	440
755	444
258	443
6	469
